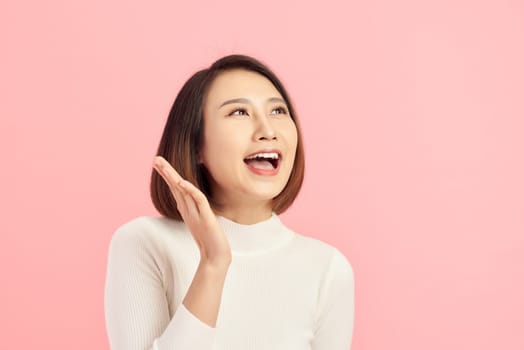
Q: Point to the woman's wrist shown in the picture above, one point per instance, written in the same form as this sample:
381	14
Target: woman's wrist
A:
218	264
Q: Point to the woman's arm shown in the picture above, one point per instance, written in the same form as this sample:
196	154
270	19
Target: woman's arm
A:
136	308
205	292
336	310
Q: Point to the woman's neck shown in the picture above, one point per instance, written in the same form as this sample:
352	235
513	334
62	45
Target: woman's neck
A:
245	214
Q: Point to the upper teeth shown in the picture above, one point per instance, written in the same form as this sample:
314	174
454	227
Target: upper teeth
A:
272	155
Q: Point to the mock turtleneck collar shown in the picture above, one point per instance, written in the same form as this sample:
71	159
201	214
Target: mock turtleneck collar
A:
261	237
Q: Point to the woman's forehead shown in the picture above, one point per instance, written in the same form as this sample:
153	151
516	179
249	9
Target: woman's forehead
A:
240	84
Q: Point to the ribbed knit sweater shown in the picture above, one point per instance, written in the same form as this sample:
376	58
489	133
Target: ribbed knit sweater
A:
283	290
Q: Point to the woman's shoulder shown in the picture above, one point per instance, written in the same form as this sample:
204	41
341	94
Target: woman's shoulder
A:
149	230
333	259
319	250
144	222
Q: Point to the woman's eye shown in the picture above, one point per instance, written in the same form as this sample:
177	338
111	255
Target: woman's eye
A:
243	111
238	111
280	110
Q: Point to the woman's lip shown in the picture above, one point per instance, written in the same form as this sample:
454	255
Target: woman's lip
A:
265	172
279	159
267	150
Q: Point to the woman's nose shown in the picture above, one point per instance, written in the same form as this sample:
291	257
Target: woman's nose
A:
264	129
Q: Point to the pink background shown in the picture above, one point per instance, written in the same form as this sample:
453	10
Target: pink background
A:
413	117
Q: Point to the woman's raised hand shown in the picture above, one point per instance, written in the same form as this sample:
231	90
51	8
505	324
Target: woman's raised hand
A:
197	214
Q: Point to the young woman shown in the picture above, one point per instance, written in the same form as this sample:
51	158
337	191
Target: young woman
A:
218	269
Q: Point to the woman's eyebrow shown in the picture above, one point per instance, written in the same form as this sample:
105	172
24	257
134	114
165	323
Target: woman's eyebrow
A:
245	100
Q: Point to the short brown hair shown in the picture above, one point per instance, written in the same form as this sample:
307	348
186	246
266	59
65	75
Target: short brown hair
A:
183	136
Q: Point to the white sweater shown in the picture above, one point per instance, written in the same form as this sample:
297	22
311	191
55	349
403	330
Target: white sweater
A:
283	290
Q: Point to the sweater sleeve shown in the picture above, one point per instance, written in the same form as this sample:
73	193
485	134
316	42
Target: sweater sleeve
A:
135	304
335	314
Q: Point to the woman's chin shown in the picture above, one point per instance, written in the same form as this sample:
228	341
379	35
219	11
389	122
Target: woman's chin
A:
260	196
265	192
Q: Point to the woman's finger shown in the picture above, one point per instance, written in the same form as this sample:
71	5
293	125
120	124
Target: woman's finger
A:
200	199
172	179
166	170
180	201
188	199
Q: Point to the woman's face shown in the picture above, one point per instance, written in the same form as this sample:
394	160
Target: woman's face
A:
244	116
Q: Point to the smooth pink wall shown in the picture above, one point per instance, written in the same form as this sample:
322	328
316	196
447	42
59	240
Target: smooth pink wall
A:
413	117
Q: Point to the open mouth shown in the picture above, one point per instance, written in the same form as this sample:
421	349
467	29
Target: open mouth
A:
264	161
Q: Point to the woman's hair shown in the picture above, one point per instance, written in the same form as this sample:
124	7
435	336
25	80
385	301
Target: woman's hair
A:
183	136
